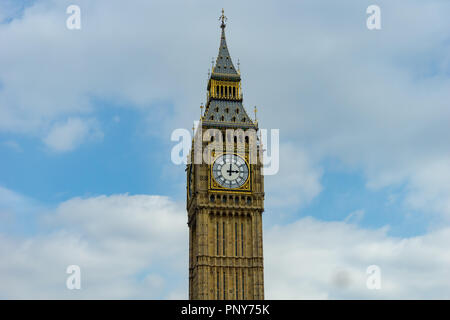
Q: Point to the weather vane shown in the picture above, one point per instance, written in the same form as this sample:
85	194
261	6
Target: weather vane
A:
223	18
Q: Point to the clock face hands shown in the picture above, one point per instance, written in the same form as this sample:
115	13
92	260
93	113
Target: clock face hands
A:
230	171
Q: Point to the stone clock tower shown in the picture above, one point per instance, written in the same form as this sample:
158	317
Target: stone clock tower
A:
225	193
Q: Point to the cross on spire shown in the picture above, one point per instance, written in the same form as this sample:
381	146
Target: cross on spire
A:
223	18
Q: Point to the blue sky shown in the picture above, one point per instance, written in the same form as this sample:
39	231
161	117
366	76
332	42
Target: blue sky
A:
86	117
125	161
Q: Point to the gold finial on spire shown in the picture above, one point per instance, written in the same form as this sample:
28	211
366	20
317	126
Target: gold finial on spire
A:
223	18
201	110
255	113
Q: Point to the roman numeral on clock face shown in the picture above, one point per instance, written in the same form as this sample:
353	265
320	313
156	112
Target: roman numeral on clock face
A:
230	171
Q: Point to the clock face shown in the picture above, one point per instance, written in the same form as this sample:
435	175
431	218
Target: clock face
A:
230	171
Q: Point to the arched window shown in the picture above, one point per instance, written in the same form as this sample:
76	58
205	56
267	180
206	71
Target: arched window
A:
242	240
237	286
222	118
217	238
243	286
218	292
234	92
224	286
235	239
211	118
223	238
237	110
233	119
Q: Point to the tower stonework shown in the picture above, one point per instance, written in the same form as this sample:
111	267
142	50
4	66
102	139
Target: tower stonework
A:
225	195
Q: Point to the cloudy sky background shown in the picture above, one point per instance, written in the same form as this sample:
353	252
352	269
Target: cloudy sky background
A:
85	123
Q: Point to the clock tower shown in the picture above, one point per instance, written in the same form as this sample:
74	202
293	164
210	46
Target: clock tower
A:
225	192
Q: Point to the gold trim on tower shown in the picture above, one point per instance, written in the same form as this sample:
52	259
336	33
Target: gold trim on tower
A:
214	186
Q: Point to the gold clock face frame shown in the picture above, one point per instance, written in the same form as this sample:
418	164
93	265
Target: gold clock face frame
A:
236	166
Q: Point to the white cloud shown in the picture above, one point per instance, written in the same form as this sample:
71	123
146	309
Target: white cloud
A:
430	188
365	98
9	198
126	247
66	136
296	183
311	259
344	92
15	203
120	56
137	247
117	237
375	104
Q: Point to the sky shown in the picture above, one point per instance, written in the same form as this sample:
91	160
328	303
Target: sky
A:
86	118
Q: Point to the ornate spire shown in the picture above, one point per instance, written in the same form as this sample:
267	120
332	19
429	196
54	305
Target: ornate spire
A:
224	99
224	65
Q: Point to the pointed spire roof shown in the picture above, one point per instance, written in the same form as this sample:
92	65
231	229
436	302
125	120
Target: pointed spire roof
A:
225	111
224	67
